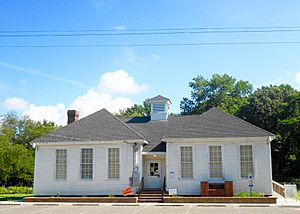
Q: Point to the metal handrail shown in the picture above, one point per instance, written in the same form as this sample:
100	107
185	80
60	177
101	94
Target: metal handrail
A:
141	185
163	187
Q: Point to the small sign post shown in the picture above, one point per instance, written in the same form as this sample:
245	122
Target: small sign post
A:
250	179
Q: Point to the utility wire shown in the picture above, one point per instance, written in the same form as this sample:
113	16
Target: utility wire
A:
150	33
153	44
148	29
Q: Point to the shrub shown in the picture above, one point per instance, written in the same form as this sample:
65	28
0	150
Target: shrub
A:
16	190
247	194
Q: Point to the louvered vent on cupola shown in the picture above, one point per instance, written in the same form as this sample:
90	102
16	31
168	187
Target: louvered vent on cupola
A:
159	108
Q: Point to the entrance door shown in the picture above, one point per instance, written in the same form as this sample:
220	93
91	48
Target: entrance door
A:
154	174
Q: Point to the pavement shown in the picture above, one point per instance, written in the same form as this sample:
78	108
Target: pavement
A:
80	208
286	201
283	206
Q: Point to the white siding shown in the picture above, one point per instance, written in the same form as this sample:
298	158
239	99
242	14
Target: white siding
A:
46	184
231	166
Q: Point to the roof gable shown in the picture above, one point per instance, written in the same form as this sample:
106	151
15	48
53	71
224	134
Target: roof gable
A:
99	126
159	98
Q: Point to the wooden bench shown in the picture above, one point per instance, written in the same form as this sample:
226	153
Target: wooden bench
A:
216	189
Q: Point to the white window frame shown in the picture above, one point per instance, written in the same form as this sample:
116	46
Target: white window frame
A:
81	164
56	164
192	163
209	162
108	164
253	160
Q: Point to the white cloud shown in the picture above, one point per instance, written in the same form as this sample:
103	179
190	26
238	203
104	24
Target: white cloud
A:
120	28
56	113
120	82
15	103
88	103
93	101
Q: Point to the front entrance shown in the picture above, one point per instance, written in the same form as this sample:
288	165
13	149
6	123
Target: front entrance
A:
154	174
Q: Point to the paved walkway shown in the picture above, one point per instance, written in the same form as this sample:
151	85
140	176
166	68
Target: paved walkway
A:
283	201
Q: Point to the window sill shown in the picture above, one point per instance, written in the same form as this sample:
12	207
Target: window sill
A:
113	179
87	180
60	180
186	179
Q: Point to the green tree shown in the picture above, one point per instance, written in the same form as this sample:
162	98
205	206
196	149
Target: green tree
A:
22	130
16	152
276	109
222	91
16	165
136	110
267	105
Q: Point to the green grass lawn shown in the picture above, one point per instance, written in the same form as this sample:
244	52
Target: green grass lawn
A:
299	194
13	197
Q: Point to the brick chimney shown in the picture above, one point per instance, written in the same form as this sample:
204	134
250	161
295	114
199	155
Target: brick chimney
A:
73	116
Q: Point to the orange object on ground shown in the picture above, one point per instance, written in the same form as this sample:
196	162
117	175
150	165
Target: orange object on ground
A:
127	191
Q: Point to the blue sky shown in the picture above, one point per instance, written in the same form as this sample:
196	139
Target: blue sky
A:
44	82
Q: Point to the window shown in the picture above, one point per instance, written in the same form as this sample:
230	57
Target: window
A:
113	163
215	161
61	164
186	162
246	158
86	164
158	107
154	171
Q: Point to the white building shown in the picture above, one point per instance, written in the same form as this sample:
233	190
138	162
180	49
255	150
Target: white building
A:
102	154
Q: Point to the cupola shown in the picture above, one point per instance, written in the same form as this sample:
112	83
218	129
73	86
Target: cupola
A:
159	108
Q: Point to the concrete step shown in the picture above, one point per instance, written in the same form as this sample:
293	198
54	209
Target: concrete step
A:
148	194
151	200
157	197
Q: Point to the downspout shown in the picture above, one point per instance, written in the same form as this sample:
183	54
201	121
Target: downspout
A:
135	169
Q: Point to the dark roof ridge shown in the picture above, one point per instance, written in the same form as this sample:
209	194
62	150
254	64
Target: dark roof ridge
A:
120	121
128	117
194	115
267	132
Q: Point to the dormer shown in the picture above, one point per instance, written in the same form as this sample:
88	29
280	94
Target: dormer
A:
159	108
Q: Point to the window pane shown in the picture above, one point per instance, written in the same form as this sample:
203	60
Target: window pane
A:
215	161
86	163
186	162
61	164
113	163
246	159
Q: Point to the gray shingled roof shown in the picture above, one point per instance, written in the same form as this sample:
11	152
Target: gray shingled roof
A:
99	126
103	126
212	124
